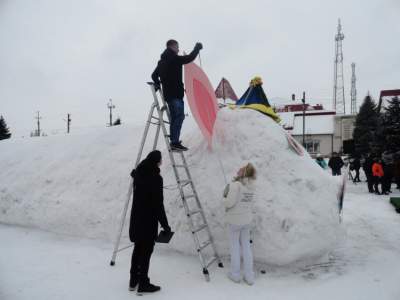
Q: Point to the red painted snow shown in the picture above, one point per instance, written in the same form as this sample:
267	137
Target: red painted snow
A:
201	98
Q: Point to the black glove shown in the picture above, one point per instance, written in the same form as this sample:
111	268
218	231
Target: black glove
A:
198	46
167	229
156	86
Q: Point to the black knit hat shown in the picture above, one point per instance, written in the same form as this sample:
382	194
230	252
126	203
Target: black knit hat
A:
154	157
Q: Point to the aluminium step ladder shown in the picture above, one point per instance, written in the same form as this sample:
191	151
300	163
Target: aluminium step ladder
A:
197	221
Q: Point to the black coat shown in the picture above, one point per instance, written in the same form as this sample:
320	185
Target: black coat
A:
367	166
335	163
356	164
169	70
147	205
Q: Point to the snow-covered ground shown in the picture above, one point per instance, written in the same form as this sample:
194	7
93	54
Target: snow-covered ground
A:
40	265
61	199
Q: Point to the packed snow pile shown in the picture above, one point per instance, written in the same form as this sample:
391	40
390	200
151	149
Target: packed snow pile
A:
77	184
296	208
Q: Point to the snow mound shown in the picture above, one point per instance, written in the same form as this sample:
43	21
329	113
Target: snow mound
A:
77	184
296	210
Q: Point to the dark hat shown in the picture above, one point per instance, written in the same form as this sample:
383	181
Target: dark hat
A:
154	157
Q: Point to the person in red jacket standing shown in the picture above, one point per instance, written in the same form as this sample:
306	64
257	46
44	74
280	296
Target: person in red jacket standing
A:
377	172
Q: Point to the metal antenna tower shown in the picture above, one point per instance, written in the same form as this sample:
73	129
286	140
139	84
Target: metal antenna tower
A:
339	103
353	92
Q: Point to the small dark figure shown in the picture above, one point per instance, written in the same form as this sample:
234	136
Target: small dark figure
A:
147	211
388	173
367	166
396	169
169	73
336	163
377	172
356	167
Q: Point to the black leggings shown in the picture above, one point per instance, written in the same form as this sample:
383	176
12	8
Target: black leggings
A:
377	181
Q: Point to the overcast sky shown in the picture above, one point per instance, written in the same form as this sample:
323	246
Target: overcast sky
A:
60	56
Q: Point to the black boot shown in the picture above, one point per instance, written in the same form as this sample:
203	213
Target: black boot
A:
133	282
178	147
147	287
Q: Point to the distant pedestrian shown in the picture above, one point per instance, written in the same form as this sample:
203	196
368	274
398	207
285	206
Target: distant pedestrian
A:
238	202
387	163
336	163
367	167
147	211
396	169
356	167
377	172
321	161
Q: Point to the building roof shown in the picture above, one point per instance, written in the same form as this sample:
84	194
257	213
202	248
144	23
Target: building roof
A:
316	122
385	96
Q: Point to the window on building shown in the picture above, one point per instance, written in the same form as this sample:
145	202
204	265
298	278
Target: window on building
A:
312	146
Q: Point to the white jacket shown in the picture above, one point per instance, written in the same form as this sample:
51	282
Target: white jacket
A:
239	203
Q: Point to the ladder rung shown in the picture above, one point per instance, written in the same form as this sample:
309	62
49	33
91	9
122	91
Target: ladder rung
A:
189	196
158	119
204	245
184	182
213	259
179	166
200	228
193	212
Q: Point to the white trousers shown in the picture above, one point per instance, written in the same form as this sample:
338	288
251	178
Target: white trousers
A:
240	246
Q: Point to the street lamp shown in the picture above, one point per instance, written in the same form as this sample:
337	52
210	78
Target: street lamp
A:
110	107
303	100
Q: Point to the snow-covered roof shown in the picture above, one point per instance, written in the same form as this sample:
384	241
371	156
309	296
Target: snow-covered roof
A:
314	124
317	122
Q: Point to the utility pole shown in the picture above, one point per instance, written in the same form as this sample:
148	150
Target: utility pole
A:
303	100
38	123
110	107
339	104
353	92
68	122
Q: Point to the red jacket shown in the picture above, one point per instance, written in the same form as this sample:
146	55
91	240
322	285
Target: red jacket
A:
377	170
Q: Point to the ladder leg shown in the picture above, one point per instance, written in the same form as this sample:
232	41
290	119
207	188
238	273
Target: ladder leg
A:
121	226
156	138
146	131
130	190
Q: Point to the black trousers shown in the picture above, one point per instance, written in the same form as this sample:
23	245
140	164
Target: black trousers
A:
336	172
370	182
387	181
357	177
377	181
140	262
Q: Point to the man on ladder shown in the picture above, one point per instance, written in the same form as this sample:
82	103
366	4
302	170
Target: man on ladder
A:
169	70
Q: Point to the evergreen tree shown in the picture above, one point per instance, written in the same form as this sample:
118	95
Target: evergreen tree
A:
391	125
4	131
366	126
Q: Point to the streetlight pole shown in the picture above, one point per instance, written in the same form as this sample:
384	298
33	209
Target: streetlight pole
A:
304	118
110	107
303	100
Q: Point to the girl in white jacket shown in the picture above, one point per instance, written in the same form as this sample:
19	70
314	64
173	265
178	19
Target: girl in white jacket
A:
238	201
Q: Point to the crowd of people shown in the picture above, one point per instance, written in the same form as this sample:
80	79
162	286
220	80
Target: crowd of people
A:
381	171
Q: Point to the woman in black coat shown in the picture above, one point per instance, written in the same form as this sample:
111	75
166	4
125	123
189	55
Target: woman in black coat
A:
147	211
